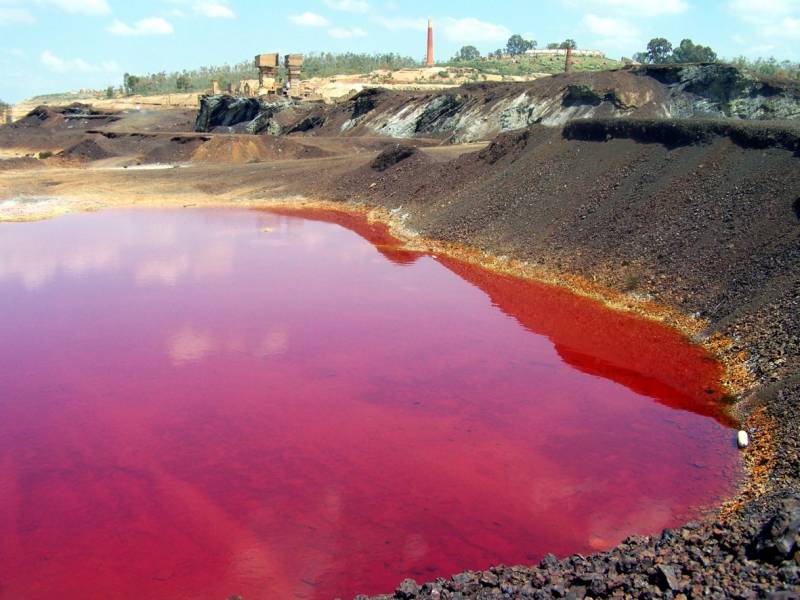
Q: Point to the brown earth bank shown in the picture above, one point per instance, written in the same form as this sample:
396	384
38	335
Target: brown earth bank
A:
480	111
699	216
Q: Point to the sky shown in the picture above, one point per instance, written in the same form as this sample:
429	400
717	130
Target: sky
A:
58	45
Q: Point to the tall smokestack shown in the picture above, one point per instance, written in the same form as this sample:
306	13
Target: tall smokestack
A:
429	60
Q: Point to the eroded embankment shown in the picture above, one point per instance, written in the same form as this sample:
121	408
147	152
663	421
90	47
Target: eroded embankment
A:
481	111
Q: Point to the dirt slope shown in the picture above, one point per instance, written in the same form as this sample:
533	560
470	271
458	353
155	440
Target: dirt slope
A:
481	111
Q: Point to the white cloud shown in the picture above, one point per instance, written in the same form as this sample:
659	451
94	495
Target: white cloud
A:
17	12
614	32
468	29
356	6
398	23
631	8
771	19
791	26
764	10
748	49
309	19
80	7
15	16
473	30
214	10
79	65
163	271
189	345
346	33
150	26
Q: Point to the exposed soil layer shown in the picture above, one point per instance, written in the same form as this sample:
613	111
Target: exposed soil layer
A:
481	111
700	216
684	132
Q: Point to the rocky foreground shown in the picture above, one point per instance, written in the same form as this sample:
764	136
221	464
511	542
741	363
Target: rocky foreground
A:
757	557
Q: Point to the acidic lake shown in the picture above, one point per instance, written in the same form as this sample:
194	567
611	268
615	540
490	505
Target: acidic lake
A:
203	403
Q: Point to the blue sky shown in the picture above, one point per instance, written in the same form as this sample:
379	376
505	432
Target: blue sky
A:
58	45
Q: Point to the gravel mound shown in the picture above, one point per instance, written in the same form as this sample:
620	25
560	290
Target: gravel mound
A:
392	156
87	150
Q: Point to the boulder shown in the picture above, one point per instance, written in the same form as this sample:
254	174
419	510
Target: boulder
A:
779	538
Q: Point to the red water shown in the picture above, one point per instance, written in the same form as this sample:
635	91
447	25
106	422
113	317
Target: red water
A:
194	407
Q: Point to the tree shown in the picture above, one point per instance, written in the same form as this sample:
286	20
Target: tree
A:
659	51
110	92
689	52
131	83
519	45
182	83
553	46
568	43
468	53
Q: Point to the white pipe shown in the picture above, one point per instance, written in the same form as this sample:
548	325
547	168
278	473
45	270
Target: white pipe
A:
742	439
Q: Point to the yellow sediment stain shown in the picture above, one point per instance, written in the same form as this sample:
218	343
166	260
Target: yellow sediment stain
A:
759	460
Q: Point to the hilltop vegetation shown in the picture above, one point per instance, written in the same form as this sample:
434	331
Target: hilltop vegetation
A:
784	70
528	65
661	51
513	60
509	61
316	65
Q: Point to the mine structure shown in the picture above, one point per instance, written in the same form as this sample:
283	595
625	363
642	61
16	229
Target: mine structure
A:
294	65
429	58
267	82
267	65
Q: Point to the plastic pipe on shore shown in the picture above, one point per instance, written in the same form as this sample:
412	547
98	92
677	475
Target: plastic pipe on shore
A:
742	439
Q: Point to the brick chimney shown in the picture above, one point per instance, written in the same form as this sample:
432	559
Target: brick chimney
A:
429	60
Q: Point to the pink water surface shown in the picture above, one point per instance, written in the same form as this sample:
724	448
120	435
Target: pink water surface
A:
206	403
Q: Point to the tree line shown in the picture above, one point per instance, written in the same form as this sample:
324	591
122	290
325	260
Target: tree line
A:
516	46
661	51
658	51
198	80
